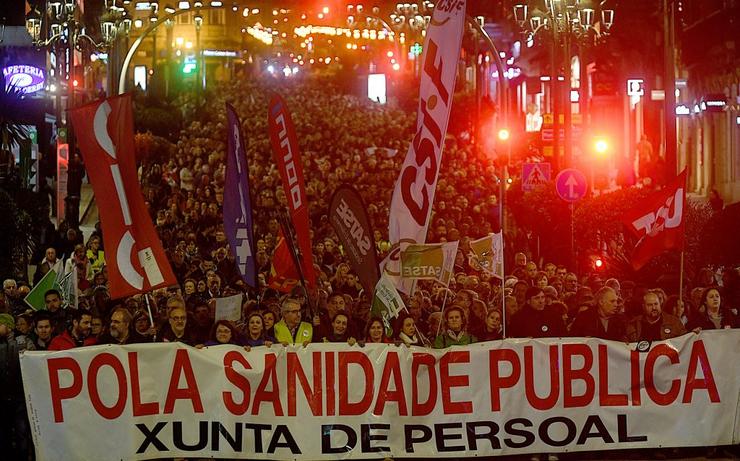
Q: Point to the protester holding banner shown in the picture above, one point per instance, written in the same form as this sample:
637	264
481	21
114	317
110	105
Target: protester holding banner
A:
455	333
534	321
375	332
290	330
406	332
76	335
256	334
223	332
176	329
714	314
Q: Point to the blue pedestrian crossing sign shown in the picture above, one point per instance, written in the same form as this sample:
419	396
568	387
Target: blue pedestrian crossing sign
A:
535	175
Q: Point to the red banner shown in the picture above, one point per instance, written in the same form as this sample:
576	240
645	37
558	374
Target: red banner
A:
658	222
288	160
134	254
283	274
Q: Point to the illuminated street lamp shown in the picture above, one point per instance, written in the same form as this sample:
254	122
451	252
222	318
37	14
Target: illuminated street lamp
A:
563	21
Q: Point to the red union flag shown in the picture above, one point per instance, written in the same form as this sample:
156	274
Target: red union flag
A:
658	222
288	160
413	195
134	254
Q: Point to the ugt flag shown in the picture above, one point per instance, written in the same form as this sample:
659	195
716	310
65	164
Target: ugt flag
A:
288	160
237	202
658	222
136	260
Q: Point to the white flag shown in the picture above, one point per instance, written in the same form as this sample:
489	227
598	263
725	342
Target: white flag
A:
413	195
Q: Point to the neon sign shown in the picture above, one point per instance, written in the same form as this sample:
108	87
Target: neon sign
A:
28	79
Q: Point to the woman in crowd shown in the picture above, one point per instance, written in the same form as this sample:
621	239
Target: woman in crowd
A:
255	334
223	332
455	333
713	315
339	330
492	327
375	331
406	330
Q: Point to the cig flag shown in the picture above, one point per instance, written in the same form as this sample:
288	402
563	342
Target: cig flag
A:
658	222
238	203
430	261
135	258
288	160
413	195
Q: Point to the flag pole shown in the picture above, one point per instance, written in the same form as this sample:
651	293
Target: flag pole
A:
151	318
442	311
502	191
297	259
680	279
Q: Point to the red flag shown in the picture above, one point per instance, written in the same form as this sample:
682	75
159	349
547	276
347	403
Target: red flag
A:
283	274
658	222
288	160
134	255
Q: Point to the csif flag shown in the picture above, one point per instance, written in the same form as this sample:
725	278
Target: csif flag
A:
348	217
413	195
288	160
135	258
238	203
658	222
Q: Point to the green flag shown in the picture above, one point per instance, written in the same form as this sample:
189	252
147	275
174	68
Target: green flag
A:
387	303
35	298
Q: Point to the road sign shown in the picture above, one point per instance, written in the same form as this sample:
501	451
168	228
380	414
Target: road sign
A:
534	175
571	185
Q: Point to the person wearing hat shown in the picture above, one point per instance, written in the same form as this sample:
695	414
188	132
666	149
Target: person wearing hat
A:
534	320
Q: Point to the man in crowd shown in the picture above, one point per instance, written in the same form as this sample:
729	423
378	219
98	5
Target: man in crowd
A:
15	304
120	331
603	320
176	330
534	320
43	331
653	324
77	335
50	262
57	315
290	330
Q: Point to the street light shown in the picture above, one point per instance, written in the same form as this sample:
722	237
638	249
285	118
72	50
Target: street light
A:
564	20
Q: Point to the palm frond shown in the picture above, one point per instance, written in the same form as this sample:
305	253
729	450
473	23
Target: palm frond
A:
12	129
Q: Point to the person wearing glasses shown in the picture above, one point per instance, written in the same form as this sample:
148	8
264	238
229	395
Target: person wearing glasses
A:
176	329
290	330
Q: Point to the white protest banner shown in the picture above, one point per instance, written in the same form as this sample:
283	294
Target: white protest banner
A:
229	308
413	195
488	399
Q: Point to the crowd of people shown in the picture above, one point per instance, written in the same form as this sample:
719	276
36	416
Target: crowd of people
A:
343	140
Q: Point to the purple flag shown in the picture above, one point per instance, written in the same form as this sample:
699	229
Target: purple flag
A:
238	203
